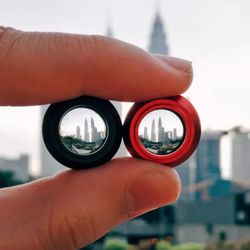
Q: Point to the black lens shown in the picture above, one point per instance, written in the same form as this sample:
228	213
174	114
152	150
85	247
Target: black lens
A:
83	132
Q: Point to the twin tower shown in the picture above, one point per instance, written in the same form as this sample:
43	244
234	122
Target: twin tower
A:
90	136
160	136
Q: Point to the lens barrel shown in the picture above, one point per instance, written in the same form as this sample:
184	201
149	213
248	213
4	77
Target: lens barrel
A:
72	149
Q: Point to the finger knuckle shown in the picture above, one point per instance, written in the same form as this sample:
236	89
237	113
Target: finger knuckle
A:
9	38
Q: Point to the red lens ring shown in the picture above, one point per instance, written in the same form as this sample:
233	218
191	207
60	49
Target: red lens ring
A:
191	123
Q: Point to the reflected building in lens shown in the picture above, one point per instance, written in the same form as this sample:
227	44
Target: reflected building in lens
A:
174	135
145	133
86	130
93	130
153	131
96	136
161	135
78	133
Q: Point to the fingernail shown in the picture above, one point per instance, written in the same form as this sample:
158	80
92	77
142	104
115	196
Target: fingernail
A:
177	63
152	190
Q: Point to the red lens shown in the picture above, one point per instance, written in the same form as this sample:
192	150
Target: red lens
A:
174	149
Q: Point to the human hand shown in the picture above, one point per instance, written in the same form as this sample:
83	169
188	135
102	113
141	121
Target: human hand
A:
74	208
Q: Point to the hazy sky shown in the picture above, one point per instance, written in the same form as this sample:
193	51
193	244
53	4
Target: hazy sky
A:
213	34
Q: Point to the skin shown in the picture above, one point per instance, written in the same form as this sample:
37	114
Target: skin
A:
74	208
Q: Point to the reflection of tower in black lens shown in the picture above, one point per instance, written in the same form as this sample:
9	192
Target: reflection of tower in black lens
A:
86	130
167	137
78	132
94	131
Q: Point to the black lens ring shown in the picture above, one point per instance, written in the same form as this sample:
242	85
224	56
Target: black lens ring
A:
52	140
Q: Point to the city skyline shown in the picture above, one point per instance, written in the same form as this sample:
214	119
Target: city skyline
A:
158	131
159	122
91	135
160	135
86	119
84	143
218	69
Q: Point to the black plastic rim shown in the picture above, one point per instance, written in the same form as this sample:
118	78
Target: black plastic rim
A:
51	137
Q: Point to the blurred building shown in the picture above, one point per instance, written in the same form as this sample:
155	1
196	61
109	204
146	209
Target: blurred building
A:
187	173
202	166
208	156
239	147
158	41
226	217
19	166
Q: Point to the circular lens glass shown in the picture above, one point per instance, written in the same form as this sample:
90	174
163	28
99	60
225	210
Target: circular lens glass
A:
161	132
82	131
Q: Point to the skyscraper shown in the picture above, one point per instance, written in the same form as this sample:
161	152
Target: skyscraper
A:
86	131
94	133
203	165
145	133
153	132
160	131
78	132
239	154
158	41
19	166
187	173
208	156
174	134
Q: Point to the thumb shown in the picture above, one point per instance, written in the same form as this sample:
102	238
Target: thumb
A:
74	208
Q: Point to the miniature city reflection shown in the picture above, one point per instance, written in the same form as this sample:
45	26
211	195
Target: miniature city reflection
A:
161	132
82	131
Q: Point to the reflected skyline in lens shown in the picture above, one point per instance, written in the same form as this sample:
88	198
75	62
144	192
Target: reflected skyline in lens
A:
82	131
161	132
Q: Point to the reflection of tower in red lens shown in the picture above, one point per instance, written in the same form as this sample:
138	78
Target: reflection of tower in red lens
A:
153	133
174	128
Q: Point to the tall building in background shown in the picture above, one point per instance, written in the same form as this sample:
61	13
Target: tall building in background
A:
49	165
202	167
187	173
19	166
158	41
239	147
208	156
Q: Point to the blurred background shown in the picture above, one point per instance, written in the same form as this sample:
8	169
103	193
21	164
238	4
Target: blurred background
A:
213	211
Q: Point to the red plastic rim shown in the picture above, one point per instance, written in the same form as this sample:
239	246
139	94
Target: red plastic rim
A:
191	123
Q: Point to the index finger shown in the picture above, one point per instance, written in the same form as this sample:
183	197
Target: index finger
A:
41	67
